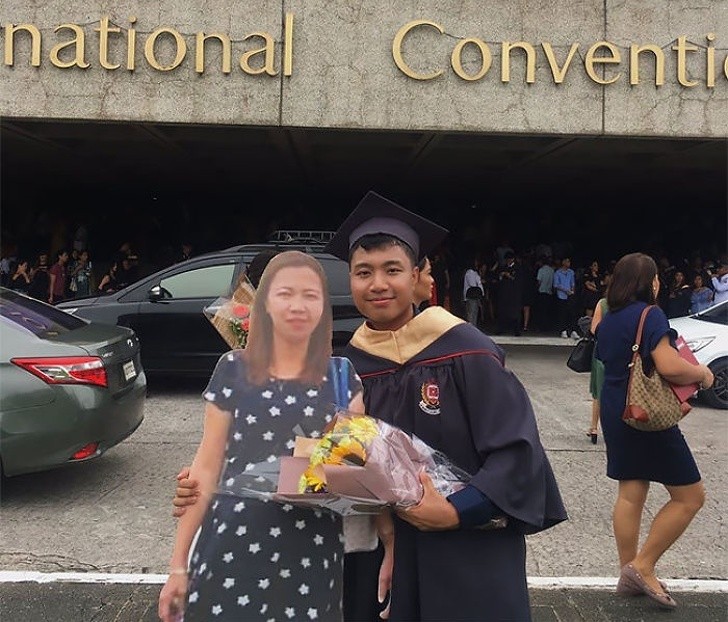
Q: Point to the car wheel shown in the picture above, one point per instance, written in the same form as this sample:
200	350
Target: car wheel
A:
717	395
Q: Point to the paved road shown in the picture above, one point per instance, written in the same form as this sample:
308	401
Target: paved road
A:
124	603
113	515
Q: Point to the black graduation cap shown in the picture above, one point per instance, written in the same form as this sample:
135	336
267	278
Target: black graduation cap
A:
375	214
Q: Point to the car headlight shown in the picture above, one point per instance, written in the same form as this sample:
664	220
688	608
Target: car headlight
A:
699	343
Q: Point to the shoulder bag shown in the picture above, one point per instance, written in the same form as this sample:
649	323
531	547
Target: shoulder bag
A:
580	359
474	293
651	404
359	531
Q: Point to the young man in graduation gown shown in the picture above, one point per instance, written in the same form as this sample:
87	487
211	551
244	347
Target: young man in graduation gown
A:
436	376
440	378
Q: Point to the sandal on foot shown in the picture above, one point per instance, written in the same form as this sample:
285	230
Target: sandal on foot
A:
632	583
625	588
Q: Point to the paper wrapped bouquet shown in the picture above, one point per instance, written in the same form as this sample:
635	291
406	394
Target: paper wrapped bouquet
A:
360	465
231	316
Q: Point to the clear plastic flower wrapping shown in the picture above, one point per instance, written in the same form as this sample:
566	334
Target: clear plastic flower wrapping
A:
357	465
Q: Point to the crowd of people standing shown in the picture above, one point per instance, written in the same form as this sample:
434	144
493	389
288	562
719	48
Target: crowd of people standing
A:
502	291
72	274
514	293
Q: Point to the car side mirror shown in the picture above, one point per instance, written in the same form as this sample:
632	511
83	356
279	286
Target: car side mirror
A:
158	293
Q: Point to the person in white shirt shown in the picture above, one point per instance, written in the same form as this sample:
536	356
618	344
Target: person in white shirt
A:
719	281
472	283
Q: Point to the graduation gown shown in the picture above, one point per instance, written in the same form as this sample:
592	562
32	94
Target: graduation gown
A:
443	380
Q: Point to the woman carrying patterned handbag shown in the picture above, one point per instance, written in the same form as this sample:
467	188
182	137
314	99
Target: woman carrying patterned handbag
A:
634	457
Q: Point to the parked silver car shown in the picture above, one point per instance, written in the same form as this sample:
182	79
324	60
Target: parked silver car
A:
69	389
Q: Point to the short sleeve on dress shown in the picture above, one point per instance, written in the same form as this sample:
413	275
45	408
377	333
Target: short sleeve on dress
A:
655	328
225	380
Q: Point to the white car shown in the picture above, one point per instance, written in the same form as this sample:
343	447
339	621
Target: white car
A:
707	335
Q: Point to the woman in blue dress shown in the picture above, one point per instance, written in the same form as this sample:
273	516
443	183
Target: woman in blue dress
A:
255	559
636	458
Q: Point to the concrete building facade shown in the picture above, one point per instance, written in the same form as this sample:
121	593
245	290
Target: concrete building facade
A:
446	104
652	68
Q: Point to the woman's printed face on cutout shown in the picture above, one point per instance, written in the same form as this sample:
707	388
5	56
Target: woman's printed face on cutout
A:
295	303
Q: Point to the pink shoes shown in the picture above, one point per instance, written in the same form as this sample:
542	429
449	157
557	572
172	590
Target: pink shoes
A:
631	583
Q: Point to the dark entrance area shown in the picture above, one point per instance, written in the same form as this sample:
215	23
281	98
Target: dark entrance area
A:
158	185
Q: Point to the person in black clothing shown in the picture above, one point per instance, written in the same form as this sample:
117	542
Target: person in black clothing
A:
529	286
510	296
40	279
130	273
593	289
125	274
678	301
20	279
108	283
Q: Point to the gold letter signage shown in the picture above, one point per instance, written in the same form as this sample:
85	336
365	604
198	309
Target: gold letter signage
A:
397	50
112	47
258	55
602	59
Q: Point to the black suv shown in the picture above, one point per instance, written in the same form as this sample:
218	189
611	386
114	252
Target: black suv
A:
165	309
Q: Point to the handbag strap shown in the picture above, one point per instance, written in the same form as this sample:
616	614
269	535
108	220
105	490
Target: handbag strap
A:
636	348
640	326
340	378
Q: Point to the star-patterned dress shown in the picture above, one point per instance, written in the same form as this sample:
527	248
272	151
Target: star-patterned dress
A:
257	559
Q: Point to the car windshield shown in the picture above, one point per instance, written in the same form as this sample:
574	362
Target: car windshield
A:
38	318
717	314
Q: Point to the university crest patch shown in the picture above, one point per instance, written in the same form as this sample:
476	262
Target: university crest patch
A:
430	402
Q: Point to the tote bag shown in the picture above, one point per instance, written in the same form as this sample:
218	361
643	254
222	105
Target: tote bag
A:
651	404
580	359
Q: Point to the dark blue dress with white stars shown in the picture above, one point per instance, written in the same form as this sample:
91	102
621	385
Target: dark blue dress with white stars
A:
256	559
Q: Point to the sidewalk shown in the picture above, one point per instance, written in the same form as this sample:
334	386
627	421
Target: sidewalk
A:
75	602
532	337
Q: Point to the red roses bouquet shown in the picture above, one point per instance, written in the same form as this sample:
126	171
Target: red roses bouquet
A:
231	316
240	324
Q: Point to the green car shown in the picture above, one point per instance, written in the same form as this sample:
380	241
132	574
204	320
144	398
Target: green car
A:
69	389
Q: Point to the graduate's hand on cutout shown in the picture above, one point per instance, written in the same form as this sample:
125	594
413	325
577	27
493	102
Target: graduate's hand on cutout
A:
433	512
186	493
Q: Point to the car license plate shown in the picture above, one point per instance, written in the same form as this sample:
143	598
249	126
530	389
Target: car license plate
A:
129	371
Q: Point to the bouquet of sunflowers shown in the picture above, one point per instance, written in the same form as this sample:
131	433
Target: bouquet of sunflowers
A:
356	466
360	465
231	316
345	443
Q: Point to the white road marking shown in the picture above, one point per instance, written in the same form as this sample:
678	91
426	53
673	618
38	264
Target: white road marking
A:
596	583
